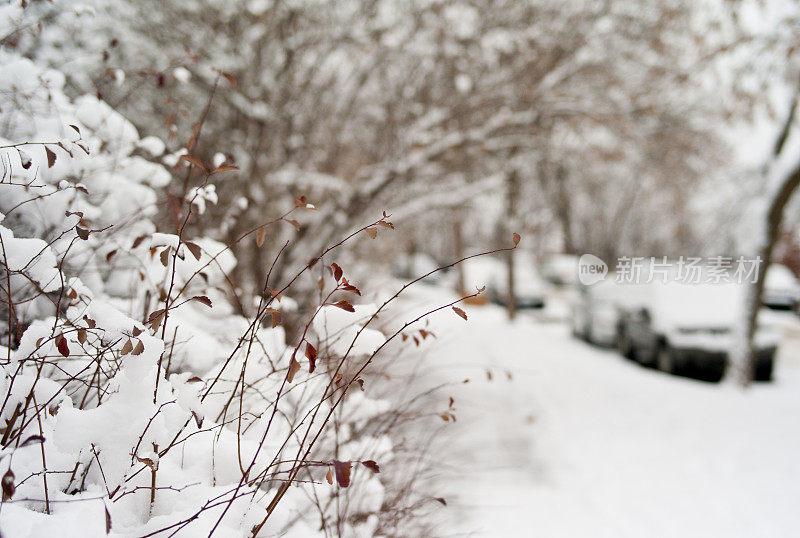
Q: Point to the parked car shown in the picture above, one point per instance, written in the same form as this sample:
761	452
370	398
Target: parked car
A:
561	269
781	288
683	326
492	272
595	312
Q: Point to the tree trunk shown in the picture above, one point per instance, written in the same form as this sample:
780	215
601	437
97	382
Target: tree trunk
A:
563	209
512	193
744	370
458	246
742	366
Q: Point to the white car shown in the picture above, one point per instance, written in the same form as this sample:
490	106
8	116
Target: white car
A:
561	269
678	326
595	313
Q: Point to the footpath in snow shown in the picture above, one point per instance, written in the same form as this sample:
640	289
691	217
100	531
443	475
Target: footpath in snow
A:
569	440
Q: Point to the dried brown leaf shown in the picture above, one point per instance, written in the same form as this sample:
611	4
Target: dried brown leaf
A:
8	485
337	272
371	465
202	299
51	157
191	159
61	344
311	355
195	249
342	471
344	305
294	366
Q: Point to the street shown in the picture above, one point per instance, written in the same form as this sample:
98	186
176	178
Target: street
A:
578	441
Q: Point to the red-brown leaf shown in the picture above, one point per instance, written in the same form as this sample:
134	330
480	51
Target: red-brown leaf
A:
8	485
294	366
202	299
230	78
51	157
351	288
516	239
261	236
224	168
195	249
138	241
61	344
342	470
337	271
372	232
311	355
460	312
371	465
344	305
191	159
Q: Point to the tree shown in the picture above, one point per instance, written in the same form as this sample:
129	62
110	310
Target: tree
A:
783	178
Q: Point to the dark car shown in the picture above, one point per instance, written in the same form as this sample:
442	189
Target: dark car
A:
681	327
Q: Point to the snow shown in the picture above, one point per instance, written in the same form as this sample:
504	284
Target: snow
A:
96	373
152	145
780	279
343	330
33	256
182	75
579	442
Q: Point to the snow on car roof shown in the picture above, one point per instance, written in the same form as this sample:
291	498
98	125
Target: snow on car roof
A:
780	277
715	304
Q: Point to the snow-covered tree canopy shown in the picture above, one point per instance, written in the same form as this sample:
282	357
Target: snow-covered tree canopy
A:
368	103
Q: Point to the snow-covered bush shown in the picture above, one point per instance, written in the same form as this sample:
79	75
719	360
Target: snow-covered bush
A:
135	401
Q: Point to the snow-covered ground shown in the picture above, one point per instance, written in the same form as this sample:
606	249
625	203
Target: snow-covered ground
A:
570	440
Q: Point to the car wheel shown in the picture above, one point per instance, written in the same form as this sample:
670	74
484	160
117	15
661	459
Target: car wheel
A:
665	360
764	370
